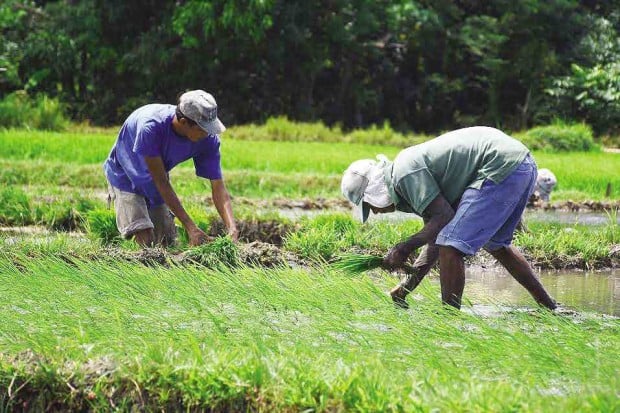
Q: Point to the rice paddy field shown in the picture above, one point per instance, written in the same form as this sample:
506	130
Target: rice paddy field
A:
273	323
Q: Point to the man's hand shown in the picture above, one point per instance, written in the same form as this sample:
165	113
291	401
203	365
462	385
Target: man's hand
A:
397	256
197	236
436	216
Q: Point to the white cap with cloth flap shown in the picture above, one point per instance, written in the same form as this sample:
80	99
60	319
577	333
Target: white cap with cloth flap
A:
363	184
201	107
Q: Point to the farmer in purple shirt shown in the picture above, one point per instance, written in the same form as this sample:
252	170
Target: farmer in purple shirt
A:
153	140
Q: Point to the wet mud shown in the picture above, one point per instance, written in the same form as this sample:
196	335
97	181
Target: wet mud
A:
271	232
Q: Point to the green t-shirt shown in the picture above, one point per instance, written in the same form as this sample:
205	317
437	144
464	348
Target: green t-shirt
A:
451	163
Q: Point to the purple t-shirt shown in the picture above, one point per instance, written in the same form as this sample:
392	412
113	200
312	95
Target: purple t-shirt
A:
148	132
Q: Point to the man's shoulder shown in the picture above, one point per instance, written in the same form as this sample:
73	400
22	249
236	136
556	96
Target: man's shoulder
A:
408	161
152	114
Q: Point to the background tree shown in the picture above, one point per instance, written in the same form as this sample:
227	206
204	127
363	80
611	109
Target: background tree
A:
422	65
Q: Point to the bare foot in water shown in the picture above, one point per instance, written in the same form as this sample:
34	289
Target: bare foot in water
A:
398	295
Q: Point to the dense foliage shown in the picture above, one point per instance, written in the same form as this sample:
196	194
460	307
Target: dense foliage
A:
420	65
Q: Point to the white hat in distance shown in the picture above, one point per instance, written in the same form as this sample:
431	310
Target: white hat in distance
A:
354	183
201	107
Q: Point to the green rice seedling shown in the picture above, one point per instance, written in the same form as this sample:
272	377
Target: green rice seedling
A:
554	245
321	237
383	235
220	252
318	244
188	338
340	223
357	263
101	225
201	218
64	214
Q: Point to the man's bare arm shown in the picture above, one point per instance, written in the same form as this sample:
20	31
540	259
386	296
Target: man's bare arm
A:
436	216
222	202
160	178
429	254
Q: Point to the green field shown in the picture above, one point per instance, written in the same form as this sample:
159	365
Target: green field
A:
262	168
85	325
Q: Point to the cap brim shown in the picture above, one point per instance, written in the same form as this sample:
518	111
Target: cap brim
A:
363	210
212	128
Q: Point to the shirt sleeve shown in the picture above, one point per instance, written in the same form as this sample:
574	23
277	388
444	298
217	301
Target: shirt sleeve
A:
147	143
418	189
207	163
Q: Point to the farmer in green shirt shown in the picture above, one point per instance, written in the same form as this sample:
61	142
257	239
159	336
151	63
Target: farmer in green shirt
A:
470	186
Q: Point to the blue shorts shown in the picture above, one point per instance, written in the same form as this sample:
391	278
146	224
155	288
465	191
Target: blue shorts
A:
487	217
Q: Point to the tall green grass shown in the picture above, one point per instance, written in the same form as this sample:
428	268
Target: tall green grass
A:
86	334
560	136
283	129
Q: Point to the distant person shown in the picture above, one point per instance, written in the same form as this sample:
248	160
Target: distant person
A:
153	140
545	183
470	186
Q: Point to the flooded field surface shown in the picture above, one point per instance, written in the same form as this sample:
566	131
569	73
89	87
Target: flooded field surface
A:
531	215
580	291
568	217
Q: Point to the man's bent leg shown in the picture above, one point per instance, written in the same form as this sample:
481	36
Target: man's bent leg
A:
518	267
165	231
132	217
451	275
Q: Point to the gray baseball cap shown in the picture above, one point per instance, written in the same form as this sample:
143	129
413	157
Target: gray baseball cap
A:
201	107
354	183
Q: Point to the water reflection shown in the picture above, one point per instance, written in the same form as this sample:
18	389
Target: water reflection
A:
580	291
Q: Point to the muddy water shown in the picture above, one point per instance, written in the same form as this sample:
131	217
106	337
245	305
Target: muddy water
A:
566	217
580	291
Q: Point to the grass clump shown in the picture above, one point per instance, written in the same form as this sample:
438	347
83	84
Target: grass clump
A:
18	110
557	246
64	214
384	135
15	208
220	252
314	243
560	136
280	128
321	237
101	226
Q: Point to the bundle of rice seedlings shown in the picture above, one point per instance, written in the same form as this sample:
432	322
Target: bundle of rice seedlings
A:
357	263
222	251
